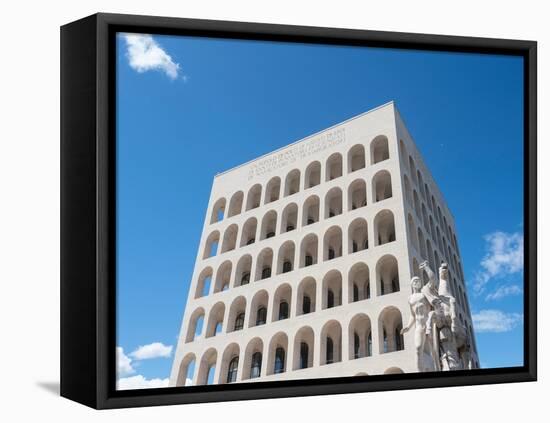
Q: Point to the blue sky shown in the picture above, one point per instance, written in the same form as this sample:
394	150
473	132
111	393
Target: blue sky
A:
191	107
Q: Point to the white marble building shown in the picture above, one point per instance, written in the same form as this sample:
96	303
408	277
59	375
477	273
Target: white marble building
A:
306	256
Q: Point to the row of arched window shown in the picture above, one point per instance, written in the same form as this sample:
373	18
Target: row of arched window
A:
331	247
311	212
418	205
288	258
334	168
431	229
360	345
308	299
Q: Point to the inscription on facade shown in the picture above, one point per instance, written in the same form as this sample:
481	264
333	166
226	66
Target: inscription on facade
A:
297	152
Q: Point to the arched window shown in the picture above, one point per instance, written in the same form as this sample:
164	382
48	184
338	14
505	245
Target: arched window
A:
196	322
223	276
281	302
285	261
384	227
207	367
381	186
357	194
311	211
358	235
254	197
204	283
258	309
333	203
358	335
358	282
232	370
332	243
215	319
263	264
261	316
186	370
218	211
389	327
229	238
289	218
387	275
306	296
332	289
236	314
276	359
356	158
308	250
256	365
334	167
379	149
273	190
304	354
248	235
279	360
329	351
269	224
242	272
236	204
331	342
292	183
239	321
313	175
211	247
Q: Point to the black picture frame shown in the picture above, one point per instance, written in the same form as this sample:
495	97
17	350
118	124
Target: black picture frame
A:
88	288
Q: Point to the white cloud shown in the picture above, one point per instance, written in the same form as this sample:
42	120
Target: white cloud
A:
139	382
188	382
504	291
154	350
123	363
145	54
504	257
496	321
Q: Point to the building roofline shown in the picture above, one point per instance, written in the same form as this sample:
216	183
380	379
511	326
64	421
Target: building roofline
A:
392	102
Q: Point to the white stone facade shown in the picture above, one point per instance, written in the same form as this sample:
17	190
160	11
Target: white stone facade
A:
339	220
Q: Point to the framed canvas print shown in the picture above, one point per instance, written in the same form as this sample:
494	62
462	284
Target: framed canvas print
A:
257	211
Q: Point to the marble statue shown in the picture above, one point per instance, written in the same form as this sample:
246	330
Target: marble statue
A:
420	310
434	316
